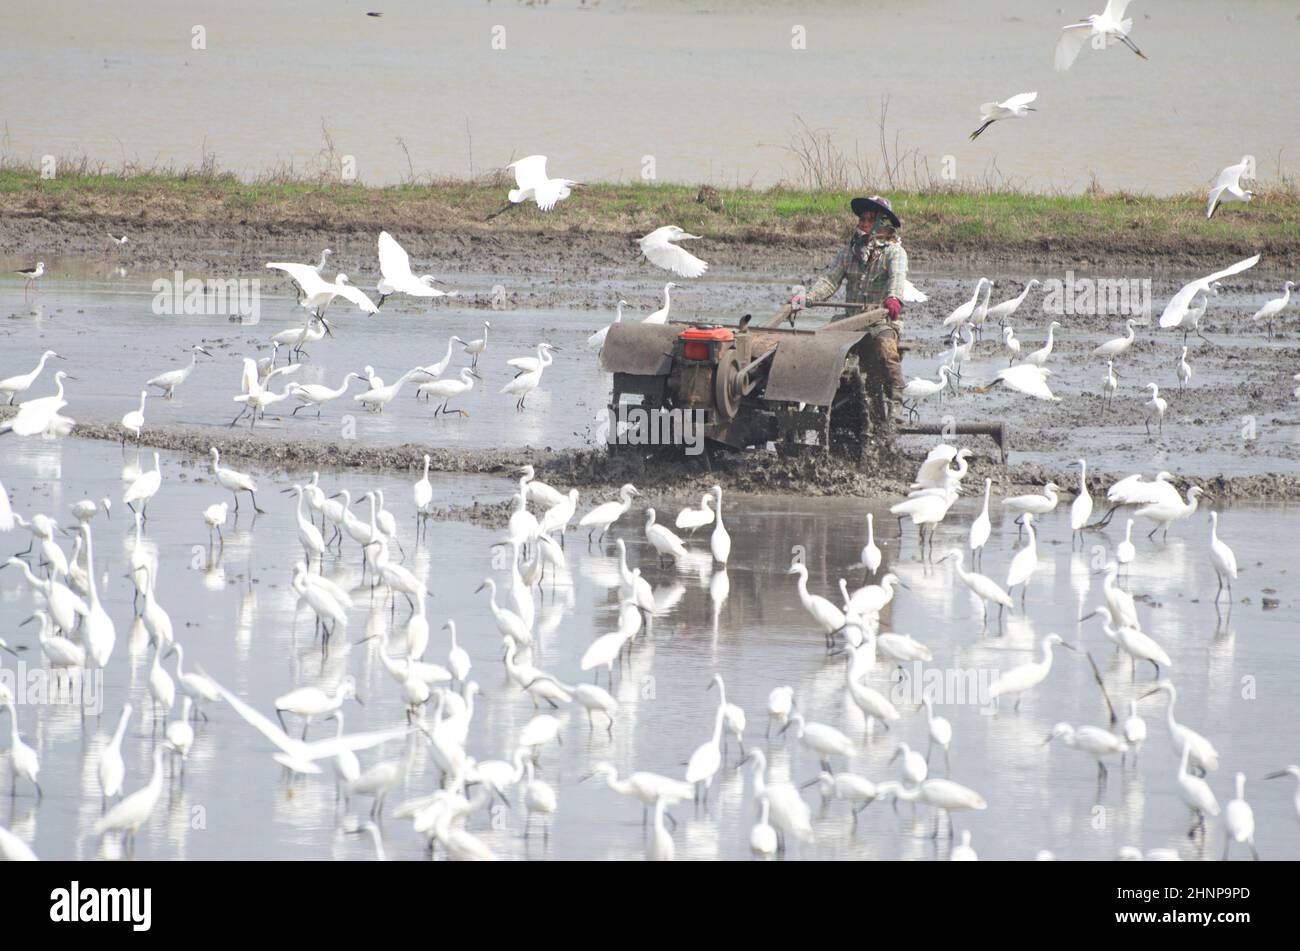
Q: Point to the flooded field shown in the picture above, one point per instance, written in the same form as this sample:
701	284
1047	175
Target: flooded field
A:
672	82
1237	416
234	611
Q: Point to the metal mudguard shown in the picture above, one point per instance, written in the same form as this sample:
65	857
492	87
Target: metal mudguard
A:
640	349
806	367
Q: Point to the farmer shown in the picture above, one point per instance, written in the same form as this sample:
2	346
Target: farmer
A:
874	265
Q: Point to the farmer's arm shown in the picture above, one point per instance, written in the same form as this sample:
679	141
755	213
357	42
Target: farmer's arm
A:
895	260
830	282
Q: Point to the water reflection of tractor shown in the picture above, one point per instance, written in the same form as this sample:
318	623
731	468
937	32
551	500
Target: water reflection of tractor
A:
803	390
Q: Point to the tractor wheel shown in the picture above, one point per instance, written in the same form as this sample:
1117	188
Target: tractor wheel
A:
851	418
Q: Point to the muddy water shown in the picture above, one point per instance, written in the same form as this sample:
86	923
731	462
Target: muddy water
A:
235	613
470	85
1236	417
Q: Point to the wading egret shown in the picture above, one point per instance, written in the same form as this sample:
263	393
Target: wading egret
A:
23	761
966	310
829	618
1092	740
1221	556
40	415
1135	730
918	389
1025	561
134	810
444	391
1155	410
1039	357
310	702
1165	514
663	540
606	514
789	813
167	382
1003	312
1109	387
1195	792
661	315
720	540
1183	370
597	340
111	768
318	394
15	385
821	739
233	482
983	587
1269	311
1112	349
1020	679
475	348
1131	640
1203	754
1240	820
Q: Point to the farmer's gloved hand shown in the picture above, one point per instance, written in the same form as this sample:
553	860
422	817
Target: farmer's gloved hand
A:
894	306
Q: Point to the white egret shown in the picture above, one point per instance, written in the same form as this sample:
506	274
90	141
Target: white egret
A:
964	852
789	813
780	704
475	348
133	811
1092	740
1020	679
1109	387
762	837
1227	187
167	382
942	795
377	397
1177	308
981	527
144	488
939	728
1133	641
1269	311
1125	551
1240	820
1195	791
706	760
690	519
1026	378
1003	312
966	310
983	587
214	516
1011	343
1081	507
97	630
720	540
1036	504
39	415
821	739
1203	754
1039	357
1114	348
310	702
395	265
1221	556
1183	370
447	390
1135	730
647	788
23	760
664	541
1017	107
16	385
111	769
1166	513
317	293
918	389
597	340
1100	30
1025	561
659	249
870	556
1155	409
318	394
530	177
660	316
234	482
915	769
829	618
197	686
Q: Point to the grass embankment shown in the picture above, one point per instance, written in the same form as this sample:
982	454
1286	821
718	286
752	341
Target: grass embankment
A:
952	221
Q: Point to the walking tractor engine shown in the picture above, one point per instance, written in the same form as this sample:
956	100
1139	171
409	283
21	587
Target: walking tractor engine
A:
744	386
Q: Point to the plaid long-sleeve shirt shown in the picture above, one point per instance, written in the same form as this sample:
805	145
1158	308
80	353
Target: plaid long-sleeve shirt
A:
874	268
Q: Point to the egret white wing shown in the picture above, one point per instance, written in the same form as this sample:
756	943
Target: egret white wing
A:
529	172
358	297
304	275
394	262
1177	306
672	258
1071	41
1015	102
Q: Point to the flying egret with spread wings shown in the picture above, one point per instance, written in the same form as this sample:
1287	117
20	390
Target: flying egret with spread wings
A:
1176	309
317	292
395	265
659	250
1227	187
530	177
1099	29
1017	107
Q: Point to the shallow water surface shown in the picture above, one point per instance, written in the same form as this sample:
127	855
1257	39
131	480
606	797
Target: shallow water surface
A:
234	611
